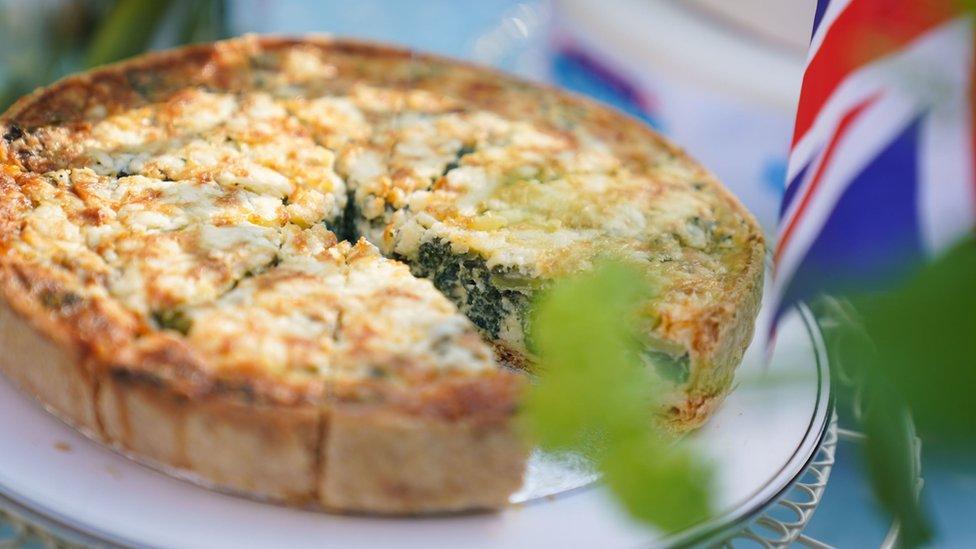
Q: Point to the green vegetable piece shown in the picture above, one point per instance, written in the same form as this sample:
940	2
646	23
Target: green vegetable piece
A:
173	319
675	369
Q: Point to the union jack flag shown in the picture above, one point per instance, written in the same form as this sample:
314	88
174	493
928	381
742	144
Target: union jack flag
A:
881	173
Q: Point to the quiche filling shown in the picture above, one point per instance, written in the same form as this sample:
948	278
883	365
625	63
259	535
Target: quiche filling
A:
228	217
492	210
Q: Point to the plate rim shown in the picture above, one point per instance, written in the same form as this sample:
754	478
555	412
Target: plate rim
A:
740	516
746	512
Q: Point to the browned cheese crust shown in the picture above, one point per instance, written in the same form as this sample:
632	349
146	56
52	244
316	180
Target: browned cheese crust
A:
170	285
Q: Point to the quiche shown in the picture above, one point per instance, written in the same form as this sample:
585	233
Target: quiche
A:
302	269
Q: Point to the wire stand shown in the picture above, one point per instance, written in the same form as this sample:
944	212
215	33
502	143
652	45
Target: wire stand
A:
783	522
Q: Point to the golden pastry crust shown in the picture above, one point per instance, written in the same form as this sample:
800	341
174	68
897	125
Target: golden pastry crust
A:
170	287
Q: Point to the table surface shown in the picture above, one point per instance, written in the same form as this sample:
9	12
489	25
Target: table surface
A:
847	516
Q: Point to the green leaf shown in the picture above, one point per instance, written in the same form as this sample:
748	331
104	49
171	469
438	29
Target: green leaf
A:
662	485
911	352
590	378
889	450
595	396
925	336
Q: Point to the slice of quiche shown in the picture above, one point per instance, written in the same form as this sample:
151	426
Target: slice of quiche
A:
296	268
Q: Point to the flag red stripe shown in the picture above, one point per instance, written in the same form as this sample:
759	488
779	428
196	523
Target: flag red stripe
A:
828	154
865	31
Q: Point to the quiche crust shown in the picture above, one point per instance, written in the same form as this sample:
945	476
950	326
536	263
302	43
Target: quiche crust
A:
124	371
447	447
54	374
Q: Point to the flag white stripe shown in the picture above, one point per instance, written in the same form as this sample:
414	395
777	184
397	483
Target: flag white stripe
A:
860	85
835	8
947	196
803	184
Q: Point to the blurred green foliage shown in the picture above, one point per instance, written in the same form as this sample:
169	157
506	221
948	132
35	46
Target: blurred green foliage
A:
595	396
912	354
126	31
44	40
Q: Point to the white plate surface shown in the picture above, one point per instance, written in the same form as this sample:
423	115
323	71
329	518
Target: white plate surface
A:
759	441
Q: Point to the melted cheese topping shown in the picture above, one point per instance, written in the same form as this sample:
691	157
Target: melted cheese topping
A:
542	203
336	312
205	212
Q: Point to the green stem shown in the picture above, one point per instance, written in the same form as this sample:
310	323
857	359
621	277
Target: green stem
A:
126	31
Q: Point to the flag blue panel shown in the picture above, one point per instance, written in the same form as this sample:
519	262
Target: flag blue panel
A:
871	239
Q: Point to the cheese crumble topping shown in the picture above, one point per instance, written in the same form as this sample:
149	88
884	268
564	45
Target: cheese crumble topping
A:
213	213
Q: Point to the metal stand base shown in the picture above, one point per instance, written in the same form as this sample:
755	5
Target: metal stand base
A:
783	522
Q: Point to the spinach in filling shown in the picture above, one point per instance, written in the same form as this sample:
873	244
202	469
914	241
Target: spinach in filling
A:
172	319
456	163
498	299
344	226
467	280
